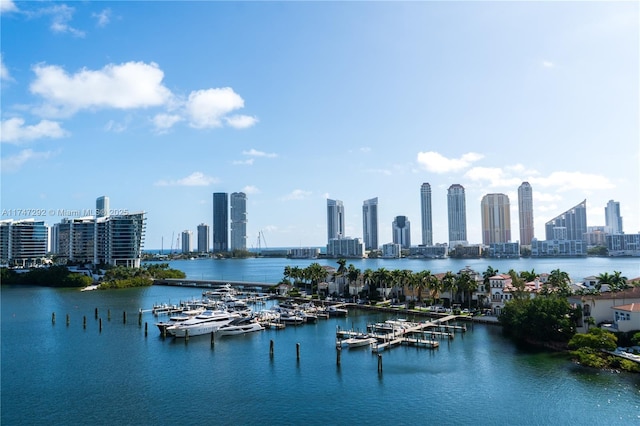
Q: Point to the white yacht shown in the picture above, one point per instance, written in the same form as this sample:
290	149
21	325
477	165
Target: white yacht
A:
242	325
204	323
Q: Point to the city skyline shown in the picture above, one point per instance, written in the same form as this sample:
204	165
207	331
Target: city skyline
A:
486	95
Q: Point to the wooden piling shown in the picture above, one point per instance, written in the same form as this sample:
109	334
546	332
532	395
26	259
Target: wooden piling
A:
68	319
338	352
186	336
108	314
84	321
213	340
379	363
96	313
146	329
140	318
124	317
164	332
271	348
100	325
53	318
298	351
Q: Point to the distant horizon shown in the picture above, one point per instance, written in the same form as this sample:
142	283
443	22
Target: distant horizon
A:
294	103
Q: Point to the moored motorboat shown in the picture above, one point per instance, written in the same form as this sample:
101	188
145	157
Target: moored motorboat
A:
207	322
359	340
240	325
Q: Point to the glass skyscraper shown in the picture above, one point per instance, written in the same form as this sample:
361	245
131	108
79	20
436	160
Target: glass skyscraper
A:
370	224
401	228
425	210
570	225
457	214
203	238
238	221
525	213
613	220
335	219
220	222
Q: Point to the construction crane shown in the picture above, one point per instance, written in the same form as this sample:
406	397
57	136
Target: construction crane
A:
261	236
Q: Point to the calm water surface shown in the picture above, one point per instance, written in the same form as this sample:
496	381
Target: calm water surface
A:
69	375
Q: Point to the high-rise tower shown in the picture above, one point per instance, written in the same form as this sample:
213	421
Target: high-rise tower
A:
613	220
220	222
425	209
335	219
370	224
102	206
238	221
525	213
570	225
203	238
457	214
496	219
401	228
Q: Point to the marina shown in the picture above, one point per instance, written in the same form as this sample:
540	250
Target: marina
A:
101	335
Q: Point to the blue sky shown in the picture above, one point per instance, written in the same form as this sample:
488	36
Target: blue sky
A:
160	104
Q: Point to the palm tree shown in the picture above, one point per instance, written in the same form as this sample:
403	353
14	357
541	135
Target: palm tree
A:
435	287
518	284
352	273
528	276
382	277
367	277
559	280
486	278
422	282
449	285
619	283
603	278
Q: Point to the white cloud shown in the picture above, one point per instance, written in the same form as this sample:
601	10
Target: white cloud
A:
566	181
548	64
247	162
61	15
15	162
4	72
164	122
297	194
115	127
7	6
255	153
250	189
207	108
125	86
194	179
437	163
241	121
14	131
102	18
494	175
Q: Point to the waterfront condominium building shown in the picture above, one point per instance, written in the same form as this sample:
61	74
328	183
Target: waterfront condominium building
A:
203	238
335	219
220	222
525	213
570	225
401	229
23	242
238	221
457	215
613	220
119	239
496	219
187	241
425	210
370	224
102	206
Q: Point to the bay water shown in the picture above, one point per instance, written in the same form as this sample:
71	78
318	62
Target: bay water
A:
54	373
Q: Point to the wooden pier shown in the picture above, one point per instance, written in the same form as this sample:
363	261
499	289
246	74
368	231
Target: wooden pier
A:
406	333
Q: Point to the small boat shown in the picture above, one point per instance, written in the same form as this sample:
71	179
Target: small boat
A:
241	325
359	340
334	311
207	322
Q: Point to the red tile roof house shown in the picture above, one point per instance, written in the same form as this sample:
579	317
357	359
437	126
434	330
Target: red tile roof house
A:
604	306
